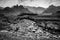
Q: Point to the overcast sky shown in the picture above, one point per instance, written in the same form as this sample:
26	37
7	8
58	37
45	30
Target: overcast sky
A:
35	3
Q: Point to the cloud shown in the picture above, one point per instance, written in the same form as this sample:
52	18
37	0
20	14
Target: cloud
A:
35	3
9	3
41	3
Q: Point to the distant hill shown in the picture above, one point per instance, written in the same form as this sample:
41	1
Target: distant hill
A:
52	9
1	7
15	10
38	10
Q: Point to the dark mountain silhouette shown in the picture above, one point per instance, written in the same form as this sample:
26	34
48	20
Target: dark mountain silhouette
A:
1	7
52	9
15	10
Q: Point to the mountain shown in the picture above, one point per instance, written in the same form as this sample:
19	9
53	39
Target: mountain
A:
52	9
1	7
15	10
38	10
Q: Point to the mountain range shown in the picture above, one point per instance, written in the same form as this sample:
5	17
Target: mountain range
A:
16	10
38	10
52	10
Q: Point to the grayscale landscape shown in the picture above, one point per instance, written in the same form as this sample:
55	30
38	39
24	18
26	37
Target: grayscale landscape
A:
21	22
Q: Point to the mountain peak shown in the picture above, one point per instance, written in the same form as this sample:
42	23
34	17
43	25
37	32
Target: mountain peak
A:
52	6
52	9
